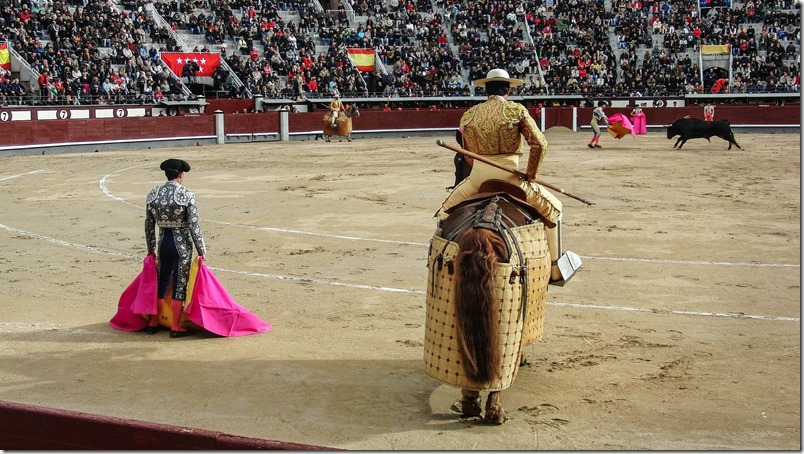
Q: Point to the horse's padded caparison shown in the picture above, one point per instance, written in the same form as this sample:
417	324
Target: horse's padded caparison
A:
520	285
343	123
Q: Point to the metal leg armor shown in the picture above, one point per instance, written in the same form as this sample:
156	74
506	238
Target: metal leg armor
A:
564	264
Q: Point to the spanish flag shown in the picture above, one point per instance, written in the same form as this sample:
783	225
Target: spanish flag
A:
5	60
363	59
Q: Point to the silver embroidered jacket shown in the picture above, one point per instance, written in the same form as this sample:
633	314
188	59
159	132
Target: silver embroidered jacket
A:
171	205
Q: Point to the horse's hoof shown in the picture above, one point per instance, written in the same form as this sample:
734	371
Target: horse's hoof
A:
468	408
495	413
495	417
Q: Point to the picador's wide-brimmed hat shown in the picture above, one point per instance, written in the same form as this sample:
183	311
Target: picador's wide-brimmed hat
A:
179	165
498	75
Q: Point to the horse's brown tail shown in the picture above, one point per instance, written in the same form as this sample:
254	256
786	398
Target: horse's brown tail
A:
477	308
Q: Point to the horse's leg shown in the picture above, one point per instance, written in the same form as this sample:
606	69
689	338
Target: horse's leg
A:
470	403
495	413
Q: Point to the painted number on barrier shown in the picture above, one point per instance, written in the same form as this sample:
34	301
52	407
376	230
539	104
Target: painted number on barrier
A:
5	116
119	113
64	114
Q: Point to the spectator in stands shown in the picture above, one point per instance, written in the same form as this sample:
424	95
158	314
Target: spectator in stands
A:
190	71
16	91
44	84
485	31
312	88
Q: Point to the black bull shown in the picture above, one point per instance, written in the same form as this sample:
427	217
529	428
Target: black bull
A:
695	128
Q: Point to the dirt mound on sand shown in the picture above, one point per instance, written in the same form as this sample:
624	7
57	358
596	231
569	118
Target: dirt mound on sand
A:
558	130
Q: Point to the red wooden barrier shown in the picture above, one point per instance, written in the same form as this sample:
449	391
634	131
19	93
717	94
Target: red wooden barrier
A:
28	130
40	428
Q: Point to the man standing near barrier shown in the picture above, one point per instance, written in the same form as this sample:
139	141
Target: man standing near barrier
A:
495	129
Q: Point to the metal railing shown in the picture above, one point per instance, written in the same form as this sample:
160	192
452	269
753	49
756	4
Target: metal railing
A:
83	100
535	54
25	70
236	80
160	21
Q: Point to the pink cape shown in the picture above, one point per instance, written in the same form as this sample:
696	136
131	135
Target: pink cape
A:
640	124
214	310
210	307
624	121
138	298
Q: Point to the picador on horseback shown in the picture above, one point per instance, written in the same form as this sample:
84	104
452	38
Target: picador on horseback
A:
335	106
510	121
496	248
338	121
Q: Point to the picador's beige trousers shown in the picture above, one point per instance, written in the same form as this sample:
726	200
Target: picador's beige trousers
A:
537	195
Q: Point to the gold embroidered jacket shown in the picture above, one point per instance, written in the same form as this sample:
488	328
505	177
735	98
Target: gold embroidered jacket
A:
497	126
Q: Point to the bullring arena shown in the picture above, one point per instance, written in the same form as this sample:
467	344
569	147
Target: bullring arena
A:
681	331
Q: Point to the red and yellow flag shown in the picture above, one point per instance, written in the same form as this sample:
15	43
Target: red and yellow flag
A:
5	58
363	59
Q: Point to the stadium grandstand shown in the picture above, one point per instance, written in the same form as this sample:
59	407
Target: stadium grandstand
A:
113	52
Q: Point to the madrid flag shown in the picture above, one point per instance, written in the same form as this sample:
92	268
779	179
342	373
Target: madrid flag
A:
5	61
207	62
363	59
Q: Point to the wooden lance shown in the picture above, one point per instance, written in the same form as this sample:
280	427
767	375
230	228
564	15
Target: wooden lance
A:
516	172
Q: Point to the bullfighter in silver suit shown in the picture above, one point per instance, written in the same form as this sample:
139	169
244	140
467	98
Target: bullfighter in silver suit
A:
172	208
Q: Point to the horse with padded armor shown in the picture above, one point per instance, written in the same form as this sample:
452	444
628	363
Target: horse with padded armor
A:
489	267
343	123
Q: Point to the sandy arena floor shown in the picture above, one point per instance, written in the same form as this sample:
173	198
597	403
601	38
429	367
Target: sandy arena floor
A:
681	332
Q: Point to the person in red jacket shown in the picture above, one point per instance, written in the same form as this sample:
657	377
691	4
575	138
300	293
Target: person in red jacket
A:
312	87
44	84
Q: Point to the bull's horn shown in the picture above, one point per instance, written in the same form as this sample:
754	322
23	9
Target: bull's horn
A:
667	126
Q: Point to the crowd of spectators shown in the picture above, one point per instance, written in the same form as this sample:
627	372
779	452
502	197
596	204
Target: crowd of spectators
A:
85	52
104	52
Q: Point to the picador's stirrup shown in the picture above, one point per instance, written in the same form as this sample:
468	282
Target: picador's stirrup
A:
568	264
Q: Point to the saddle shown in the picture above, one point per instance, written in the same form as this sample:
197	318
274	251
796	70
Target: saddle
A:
499	207
511	192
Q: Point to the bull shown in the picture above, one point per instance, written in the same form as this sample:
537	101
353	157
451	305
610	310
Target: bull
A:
695	128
